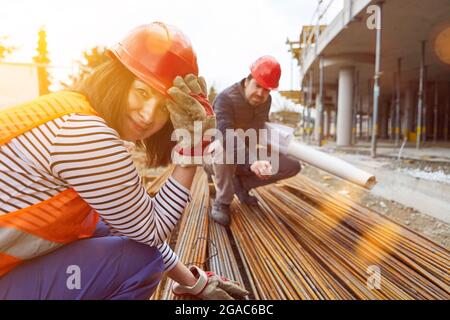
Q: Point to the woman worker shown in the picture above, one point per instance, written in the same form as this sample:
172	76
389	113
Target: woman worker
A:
67	180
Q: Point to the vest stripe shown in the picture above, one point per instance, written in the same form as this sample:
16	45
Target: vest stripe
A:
24	246
8	263
13	122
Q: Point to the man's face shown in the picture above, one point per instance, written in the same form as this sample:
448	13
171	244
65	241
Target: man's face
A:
254	93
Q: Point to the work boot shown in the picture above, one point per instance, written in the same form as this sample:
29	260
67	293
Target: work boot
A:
220	213
243	194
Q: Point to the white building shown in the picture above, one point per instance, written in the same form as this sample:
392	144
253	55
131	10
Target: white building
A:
18	83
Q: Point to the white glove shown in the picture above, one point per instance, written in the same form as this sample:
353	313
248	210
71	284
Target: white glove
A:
210	286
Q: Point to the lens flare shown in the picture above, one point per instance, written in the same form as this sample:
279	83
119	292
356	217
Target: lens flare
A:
442	45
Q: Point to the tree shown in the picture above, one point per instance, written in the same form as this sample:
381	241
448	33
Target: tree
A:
91	59
5	49
42	60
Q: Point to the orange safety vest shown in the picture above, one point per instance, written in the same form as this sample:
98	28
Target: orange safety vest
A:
64	218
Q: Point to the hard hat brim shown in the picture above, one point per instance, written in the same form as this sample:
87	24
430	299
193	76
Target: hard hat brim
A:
120	53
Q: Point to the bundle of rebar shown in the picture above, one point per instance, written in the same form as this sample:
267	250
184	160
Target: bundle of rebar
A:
274	260
304	242
191	244
221	258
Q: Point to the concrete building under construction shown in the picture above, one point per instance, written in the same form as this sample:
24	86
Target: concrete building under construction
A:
379	70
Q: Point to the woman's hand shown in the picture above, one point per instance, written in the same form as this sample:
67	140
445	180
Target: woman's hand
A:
210	286
190	110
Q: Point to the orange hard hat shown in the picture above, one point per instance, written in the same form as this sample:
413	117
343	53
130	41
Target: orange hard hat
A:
156	53
267	72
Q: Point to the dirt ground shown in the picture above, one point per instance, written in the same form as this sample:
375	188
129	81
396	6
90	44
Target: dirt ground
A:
427	226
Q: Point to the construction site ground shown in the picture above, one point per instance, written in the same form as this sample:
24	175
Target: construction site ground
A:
413	185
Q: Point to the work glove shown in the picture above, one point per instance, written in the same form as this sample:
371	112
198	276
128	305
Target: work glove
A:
191	115
210	286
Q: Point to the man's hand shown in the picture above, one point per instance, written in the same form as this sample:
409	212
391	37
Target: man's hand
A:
210	286
262	169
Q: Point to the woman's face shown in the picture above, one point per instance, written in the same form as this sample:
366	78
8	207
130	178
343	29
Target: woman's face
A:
147	113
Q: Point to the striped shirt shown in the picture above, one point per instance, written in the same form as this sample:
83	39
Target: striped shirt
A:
82	152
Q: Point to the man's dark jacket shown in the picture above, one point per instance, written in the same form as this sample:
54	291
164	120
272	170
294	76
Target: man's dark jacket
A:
233	111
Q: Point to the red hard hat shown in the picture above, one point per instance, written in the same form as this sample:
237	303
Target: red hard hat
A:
267	72
157	53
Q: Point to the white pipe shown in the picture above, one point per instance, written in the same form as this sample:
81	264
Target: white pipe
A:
340	168
331	164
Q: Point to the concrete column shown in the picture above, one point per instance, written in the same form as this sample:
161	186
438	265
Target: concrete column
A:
334	122
309	123
361	117
345	104
425	107
304	123
407	116
398	96
436	109
355	106
334	113
369	109
318	125
320	104
365	117
348	10
392	119
354	116
447	111
384	120
421	96
377	75
326	123
310	105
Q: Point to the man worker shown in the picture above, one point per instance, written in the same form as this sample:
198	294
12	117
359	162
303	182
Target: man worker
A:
246	105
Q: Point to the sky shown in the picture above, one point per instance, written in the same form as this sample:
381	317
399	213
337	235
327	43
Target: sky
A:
228	35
